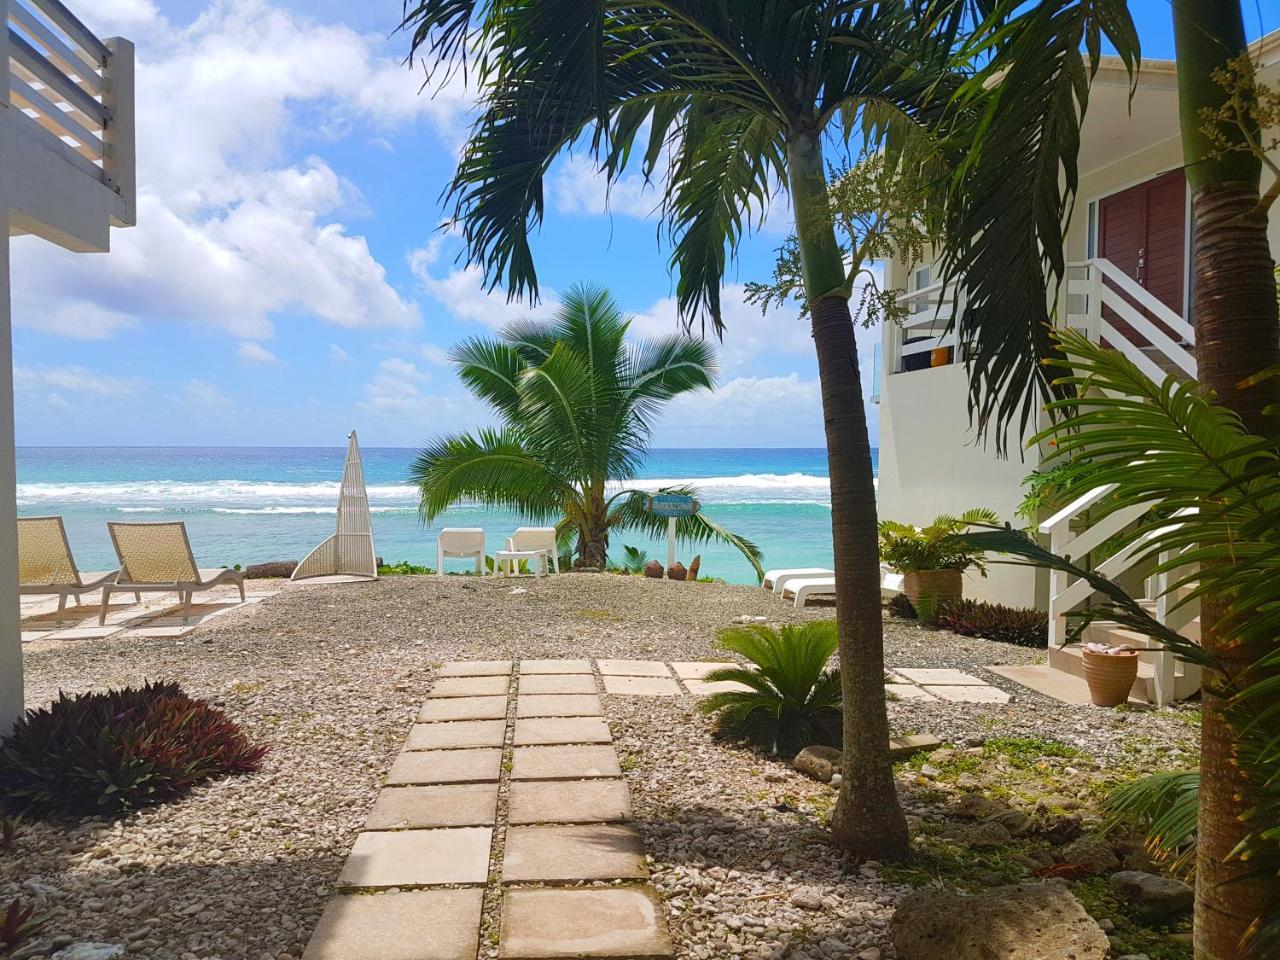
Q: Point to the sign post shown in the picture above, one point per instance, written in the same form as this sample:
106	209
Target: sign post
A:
672	506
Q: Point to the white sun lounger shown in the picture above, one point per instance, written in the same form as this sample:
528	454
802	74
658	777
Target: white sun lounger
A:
775	579
805	588
157	558
46	566
465	542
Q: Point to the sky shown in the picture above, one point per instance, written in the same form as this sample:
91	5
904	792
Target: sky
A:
288	279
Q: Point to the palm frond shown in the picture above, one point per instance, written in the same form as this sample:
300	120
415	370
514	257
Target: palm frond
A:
1164	806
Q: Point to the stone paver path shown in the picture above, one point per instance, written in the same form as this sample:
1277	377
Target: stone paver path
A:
509	794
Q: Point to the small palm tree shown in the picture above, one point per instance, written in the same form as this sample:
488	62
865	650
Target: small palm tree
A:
576	402
794	696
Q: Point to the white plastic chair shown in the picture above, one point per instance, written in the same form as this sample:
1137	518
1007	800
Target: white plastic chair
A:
464	542
536	538
775	580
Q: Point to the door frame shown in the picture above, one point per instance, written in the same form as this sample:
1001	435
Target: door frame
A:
1094	206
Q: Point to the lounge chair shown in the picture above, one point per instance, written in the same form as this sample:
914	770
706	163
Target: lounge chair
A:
460	542
157	558
775	580
536	538
46	566
804	588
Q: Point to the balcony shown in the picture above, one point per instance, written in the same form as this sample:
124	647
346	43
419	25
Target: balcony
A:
69	124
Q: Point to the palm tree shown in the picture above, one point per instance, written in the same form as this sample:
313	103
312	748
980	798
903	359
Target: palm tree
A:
741	97
1011	195
576	401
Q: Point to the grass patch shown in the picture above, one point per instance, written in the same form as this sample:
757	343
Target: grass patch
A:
1023	752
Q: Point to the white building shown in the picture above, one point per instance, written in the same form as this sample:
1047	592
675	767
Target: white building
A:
1129	285
66	175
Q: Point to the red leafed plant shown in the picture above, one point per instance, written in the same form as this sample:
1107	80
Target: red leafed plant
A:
107	753
17	925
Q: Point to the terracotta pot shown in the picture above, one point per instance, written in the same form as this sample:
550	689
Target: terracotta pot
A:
936	587
1110	676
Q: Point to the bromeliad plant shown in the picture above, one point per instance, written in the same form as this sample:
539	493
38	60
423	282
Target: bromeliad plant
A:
794	696
103	754
577	401
1218	532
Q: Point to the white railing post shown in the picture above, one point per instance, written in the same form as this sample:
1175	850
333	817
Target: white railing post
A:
1058	537
4	55
1093	319
118	136
1164	663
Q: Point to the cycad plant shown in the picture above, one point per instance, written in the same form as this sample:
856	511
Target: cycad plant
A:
1216	537
794	696
576	400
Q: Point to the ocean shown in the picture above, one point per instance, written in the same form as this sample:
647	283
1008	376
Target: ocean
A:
250	505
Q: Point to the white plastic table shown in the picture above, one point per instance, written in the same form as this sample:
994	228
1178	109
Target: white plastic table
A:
503	558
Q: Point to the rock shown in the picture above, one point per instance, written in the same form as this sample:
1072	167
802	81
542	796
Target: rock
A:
871	953
277	568
900	747
694	567
1015	821
974	806
985	834
1154	896
1061	829
807	899
653	569
1093	854
1025	922
677	571
92	951
819	762
942	755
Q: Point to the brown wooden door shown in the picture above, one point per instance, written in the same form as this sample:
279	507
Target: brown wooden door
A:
1143	231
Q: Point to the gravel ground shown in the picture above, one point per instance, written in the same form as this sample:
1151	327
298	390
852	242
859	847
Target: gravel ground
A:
330	676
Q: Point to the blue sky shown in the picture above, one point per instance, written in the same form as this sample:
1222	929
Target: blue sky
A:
287	282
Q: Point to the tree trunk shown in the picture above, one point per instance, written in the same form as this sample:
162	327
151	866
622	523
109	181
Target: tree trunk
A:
1237	335
868	819
593	535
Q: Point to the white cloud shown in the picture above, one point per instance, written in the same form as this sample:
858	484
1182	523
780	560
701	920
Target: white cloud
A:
338	354
229	236
789	400
73	379
203	398
462	292
578	186
395	389
434	354
255	352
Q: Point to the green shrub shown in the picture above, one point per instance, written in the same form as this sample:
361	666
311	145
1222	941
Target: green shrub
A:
1023	626
907	548
794	697
402	569
107	753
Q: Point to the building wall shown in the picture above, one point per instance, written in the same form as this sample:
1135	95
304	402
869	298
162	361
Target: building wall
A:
11	704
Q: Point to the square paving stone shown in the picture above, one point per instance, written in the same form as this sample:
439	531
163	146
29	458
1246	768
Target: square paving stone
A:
476	668
461	733
704	688
446	766
558	683
444	805
469	687
555	666
409	925
580	852
464	708
633	668
567	705
969	694
583	922
642	686
568	801
542	730
418	857
945	676
907	691
564	763
698	669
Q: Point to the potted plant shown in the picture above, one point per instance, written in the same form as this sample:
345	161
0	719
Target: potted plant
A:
931	561
1110	672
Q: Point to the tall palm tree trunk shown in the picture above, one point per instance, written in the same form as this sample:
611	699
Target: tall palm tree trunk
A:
1237	335
868	819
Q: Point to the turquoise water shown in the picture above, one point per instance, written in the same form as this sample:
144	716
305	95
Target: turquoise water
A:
248	505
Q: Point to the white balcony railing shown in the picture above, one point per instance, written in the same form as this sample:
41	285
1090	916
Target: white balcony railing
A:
76	89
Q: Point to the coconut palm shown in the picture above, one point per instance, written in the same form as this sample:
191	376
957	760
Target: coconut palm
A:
576	401
734	99
1011	195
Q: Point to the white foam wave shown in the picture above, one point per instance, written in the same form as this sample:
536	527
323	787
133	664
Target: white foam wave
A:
266	497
